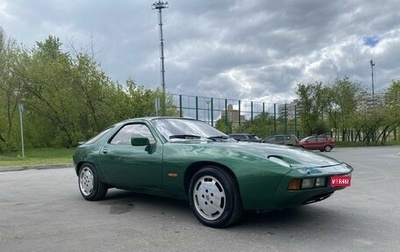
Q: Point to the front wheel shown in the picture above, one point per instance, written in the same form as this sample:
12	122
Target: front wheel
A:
214	197
328	148
90	186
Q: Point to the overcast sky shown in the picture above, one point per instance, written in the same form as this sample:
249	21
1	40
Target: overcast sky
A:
239	49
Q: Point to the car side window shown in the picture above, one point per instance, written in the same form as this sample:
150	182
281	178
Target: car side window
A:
280	138
239	137
312	139
123	137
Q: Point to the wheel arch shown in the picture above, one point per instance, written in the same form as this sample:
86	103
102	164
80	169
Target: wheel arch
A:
79	166
193	168
104	179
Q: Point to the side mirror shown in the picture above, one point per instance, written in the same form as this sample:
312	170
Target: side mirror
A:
139	140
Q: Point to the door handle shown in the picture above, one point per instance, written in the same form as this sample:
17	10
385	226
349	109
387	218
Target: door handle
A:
104	150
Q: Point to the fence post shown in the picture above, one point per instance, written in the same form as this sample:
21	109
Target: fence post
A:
239	111
180	106
285	119
197	108
295	119
226	112
251	112
274	118
212	111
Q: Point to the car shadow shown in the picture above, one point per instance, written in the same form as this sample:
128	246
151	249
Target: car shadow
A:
121	201
309	216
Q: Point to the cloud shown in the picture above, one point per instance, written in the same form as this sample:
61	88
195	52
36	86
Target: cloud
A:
255	49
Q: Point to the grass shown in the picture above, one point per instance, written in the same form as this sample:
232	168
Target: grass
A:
37	157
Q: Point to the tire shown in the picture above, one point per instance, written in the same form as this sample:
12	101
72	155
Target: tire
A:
90	186
214	197
328	148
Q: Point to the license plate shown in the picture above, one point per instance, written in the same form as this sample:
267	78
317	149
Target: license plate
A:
340	181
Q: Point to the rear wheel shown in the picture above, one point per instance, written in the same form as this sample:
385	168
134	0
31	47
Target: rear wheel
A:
328	148
90	186
214	197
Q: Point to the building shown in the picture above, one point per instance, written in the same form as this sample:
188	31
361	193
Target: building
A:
232	115
290	110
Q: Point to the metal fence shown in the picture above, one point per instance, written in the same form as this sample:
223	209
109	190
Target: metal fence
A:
237	112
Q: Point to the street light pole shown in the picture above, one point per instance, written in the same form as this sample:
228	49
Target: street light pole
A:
372	63
159	6
21	110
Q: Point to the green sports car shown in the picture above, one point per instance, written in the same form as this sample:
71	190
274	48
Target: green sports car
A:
188	159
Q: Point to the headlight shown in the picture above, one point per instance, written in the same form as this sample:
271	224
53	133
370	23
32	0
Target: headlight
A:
307	183
320	182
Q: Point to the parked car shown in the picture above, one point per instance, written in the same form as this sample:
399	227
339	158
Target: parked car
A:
245	137
188	159
284	139
318	142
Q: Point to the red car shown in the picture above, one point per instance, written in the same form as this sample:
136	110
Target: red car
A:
318	142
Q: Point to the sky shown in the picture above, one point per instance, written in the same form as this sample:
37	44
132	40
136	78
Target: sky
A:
257	50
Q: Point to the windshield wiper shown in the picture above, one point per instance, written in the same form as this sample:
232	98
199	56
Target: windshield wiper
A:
214	138
185	136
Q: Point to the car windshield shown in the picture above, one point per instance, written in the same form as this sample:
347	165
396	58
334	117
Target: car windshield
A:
182	128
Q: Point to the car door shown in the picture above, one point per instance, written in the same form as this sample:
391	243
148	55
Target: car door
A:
132	166
312	143
279	139
322	141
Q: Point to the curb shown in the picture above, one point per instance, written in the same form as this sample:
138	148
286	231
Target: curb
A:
34	167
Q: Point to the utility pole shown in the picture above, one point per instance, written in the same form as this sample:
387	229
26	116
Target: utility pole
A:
159	6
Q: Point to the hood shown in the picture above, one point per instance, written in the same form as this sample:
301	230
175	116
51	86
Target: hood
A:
291	157
295	156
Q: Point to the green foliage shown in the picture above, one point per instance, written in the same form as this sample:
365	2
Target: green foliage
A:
343	108
224	126
313	101
262	125
10	91
66	98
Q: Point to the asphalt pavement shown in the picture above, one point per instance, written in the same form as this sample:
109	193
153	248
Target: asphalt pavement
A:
41	209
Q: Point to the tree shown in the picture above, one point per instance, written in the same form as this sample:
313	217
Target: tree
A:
11	56
313	102
48	92
343	99
391	110
262	125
